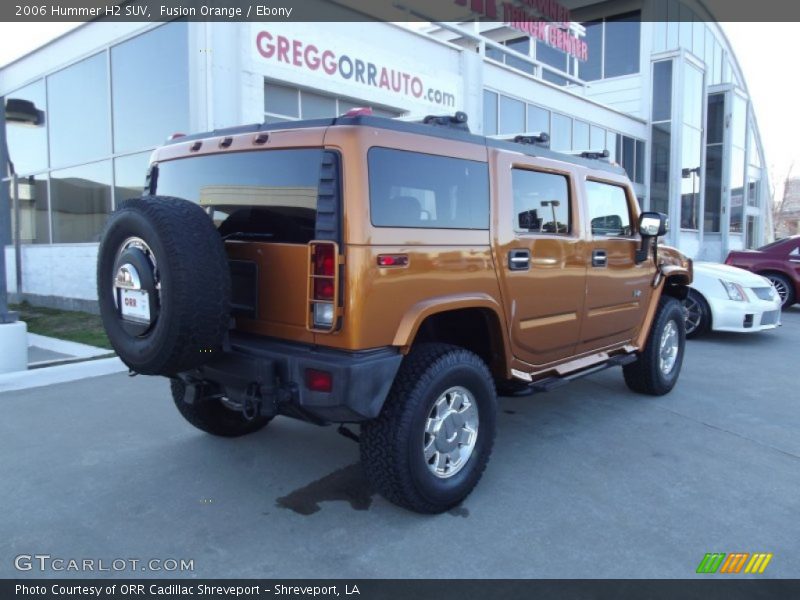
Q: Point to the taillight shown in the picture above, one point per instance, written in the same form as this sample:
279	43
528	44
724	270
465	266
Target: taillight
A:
323	285
319	381
729	260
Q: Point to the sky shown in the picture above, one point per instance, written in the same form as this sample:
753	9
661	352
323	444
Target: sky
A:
766	54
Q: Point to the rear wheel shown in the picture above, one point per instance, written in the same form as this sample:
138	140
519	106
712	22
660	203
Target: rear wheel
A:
784	288
208	413
429	446
659	364
698	314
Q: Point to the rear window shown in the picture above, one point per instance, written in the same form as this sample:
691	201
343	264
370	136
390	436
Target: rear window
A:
411	189
268	195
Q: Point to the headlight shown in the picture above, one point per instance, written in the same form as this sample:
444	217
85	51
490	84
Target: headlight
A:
735	291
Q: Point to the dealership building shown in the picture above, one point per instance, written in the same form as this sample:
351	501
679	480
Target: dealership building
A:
658	86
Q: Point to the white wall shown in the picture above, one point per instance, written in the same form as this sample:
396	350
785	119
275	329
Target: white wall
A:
58	270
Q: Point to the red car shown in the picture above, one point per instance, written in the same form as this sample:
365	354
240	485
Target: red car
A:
779	262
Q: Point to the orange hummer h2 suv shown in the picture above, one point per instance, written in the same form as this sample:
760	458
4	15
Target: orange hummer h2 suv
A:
389	274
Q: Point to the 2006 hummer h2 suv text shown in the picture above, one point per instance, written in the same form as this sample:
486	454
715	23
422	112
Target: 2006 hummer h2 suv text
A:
391	274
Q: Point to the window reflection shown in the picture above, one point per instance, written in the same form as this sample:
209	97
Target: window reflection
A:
78	112
129	176
34	222
81	199
150	76
27	144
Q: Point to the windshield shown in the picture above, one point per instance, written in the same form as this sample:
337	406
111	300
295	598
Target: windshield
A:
267	195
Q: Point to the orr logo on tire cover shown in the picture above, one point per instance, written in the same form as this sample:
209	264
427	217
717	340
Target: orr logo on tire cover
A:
321	60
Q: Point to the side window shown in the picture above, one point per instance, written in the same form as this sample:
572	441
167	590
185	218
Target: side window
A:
411	189
541	202
795	253
608	209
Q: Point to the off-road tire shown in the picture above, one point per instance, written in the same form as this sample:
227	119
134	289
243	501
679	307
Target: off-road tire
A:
705	314
391	444
644	375
211	416
194	305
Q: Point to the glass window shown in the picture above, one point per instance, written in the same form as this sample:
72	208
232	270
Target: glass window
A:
553	57
716	117
150	87
737	189
281	100
541	202
538	120
628	155
640	157
130	173
512	115
693	93
662	90
410	189
269	196
317	106
690	178
752	145
26	131
521	45
611	145
659	167
561	137
713	188
622	42
580	135
753	190
81	199
34	218
592	69
79	120
489	113
597	138
608	209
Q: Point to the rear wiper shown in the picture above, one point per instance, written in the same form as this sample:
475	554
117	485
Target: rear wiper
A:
247	235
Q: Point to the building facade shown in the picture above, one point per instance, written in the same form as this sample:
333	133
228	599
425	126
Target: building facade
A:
665	98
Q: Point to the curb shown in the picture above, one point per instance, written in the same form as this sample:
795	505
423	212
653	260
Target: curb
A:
24	380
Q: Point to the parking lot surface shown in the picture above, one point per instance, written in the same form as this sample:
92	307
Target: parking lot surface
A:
588	481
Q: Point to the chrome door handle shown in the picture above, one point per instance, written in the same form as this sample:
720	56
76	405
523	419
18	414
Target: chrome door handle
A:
519	260
599	258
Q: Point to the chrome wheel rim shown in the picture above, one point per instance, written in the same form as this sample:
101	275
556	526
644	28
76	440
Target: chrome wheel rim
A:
451	431
668	348
780	287
693	314
127	277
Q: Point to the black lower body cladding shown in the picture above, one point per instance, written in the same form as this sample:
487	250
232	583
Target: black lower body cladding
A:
163	285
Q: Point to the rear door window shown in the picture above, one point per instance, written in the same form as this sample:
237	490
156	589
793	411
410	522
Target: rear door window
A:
412	189
268	195
541	202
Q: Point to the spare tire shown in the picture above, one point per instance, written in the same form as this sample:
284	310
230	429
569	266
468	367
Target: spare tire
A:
163	284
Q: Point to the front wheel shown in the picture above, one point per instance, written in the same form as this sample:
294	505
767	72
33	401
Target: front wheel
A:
429	446
659	364
697	313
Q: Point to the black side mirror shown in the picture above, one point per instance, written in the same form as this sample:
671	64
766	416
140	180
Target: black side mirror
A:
652	225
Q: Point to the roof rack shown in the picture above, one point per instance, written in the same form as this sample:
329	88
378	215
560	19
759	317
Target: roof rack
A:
456	121
593	154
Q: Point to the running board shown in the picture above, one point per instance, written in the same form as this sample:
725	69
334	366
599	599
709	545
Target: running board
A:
550	383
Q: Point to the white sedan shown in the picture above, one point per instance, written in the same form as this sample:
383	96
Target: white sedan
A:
725	298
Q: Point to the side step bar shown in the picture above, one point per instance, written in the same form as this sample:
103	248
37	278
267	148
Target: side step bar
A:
550	383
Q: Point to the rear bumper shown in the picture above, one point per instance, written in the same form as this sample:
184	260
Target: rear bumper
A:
273	373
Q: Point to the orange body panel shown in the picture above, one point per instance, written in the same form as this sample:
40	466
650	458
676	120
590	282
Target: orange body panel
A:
561	313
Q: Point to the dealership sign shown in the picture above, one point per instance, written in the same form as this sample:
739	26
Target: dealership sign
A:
368	75
526	15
